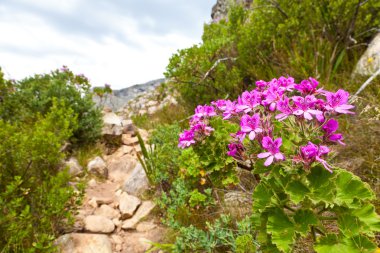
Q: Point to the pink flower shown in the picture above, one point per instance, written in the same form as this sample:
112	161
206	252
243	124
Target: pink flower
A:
330	128
284	107
248	101
273	148
308	86
251	125
305	106
272	96
338	102
235	149
186	139
312	152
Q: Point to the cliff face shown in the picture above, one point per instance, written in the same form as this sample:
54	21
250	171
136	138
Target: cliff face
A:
220	9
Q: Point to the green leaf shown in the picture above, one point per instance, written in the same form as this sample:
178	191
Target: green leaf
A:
350	187
281	228
333	244
368	216
330	244
304	219
321	185
297	191
349	225
262	197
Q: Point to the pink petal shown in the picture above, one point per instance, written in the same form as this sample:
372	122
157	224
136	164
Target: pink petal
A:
252	135
307	116
246	129
279	156
298	112
264	155
269	161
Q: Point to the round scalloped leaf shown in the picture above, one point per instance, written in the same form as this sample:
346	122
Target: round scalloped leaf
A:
350	187
296	191
349	225
281	228
262	197
321	185
304	219
368	216
333	244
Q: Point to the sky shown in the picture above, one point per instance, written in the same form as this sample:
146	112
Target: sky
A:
118	42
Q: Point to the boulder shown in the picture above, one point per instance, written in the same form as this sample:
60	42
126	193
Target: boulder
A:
369	63
127	140
74	167
120	166
84	243
128	205
98	224
98	166
107	211
142	212
145	226
112	124
137	181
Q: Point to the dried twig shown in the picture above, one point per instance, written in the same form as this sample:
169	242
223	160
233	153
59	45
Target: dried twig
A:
365	84
216	64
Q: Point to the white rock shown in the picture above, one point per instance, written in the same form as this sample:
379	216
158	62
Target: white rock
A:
128	205
120	166
145	226
107	211
92	183
98	224
145	208
369	63
112	124
74	167
98	166
130	140
137	182
93	202
84	243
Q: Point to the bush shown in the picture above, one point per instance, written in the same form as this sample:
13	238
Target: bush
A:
25	99
34	194
274	38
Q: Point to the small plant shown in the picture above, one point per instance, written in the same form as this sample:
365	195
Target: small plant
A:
285	133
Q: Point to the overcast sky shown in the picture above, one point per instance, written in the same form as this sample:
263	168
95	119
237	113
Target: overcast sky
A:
119	42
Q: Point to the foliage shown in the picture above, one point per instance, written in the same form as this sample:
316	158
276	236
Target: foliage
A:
33	95
273	38
299	190
220	236
34	194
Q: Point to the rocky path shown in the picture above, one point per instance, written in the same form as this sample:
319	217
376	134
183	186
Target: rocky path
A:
114	216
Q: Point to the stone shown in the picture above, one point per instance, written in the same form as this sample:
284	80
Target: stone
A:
123	150
107	211
128	126
369	62
145	226
98	166
112	124
143	211
98	224
92	183
128	205
92	202
137	182
84	243
117	222
238	203
120	166
74	167
130	141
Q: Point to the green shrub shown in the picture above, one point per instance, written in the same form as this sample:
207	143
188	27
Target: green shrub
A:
34	194
26	98
275	38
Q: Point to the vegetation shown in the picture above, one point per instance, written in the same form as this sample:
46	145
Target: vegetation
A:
38	115
289	203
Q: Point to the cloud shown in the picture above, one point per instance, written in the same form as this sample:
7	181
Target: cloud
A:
121	42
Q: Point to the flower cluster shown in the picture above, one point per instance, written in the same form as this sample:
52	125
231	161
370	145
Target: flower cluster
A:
306	106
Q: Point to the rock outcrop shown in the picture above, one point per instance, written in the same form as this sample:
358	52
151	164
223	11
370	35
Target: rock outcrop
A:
220	9
369	63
